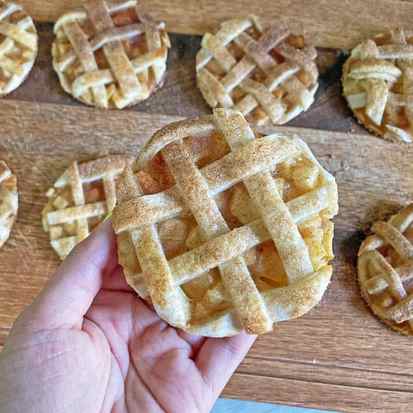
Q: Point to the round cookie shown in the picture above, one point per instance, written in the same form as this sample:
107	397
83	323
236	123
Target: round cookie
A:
224	230
9	200
385	271
265	72
18	46
79	200
107	55
378	84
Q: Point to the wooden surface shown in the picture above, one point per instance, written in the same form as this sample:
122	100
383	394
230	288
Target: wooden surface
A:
338	356
329	23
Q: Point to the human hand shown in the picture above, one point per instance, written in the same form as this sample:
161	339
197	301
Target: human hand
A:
87	344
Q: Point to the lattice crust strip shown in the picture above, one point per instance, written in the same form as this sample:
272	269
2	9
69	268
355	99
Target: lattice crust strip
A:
109	56
18	46
378	84
385	270
219	255
9	200
81	198
267	73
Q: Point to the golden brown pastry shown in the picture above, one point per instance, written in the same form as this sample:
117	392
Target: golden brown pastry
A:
378	84
108	55
9	200
79	200
224	230
18	46
385	271
265	72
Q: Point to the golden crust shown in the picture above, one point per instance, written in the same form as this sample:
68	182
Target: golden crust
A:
18	46
378	84
79	200
9	200
266	73
183	247
107	55
385	271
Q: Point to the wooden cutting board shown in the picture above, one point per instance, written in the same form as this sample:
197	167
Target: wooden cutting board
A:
328	23
338	356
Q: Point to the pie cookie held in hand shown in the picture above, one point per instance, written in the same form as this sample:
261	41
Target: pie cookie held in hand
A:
18	46
378	84
108	55
223	230
385	271
79	200
9	200
265	72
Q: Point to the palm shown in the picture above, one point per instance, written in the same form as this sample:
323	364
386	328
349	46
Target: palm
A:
152	364
88	344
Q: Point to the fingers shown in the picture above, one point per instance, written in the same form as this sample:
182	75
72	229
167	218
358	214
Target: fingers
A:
218	358
70	292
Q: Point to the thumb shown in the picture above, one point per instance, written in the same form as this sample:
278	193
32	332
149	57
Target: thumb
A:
70	292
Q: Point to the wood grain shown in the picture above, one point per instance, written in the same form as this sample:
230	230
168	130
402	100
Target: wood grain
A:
328	23
180	96
336	357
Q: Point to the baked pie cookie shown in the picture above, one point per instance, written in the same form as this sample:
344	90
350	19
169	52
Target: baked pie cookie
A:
378	84
223	230
18	46
79	200
107	55
385	271
9	200
265	72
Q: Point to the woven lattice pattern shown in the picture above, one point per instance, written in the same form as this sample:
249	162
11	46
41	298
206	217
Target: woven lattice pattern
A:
18	46
266	73
107	55
8	201
385	270
274	231
378	84
81	198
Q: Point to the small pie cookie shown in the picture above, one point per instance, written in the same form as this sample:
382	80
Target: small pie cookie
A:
385	271
79	200
9	200
378	84
265	72
224	230
18	46
109	56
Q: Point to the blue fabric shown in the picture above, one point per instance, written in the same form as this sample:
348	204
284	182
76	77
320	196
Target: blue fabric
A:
240	406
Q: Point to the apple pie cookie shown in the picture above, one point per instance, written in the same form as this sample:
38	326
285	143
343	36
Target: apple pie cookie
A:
265	72
224	230
9	200
18	46
385	271
378	84
79	200
107	55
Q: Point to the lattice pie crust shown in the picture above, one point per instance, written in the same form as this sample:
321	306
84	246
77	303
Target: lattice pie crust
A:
109	56
265	72
79	200
223	230
18	46
378	84
9	200
385	271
